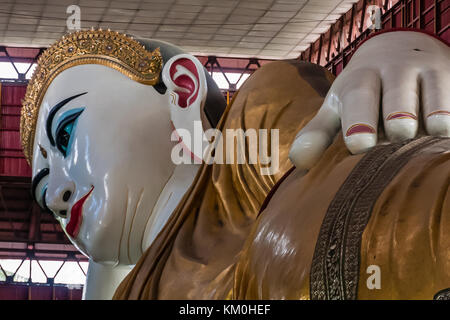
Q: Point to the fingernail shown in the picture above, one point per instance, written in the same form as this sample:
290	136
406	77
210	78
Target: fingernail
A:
439	112
359	128
401	115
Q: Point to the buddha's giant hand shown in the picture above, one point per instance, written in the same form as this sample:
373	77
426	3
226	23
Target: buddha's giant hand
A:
403	75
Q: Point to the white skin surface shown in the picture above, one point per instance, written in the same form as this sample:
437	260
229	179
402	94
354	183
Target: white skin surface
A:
396	68
121	147
122	125
120	132
102	280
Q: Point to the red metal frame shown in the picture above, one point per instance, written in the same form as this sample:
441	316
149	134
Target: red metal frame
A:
20	291
232	65
26	231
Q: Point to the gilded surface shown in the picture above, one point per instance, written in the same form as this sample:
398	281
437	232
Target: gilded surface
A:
335	266
107	48
195	255
216	241
407	234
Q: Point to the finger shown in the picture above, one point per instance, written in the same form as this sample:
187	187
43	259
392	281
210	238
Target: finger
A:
312	141
360	98
400	104
436	102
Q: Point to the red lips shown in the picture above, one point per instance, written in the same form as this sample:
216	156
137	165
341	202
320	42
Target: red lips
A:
76	217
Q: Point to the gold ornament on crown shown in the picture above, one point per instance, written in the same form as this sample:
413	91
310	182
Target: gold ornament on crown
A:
103	47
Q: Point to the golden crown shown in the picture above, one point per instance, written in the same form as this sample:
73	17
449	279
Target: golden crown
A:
107	48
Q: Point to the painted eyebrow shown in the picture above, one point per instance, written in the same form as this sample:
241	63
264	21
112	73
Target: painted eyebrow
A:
37	178
52	114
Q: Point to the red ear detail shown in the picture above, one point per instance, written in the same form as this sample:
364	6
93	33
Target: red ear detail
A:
190	89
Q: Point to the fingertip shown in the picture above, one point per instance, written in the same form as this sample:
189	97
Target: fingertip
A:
401	129
307	149
361	142
438	124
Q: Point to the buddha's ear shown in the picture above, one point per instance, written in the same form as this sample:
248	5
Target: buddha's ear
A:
185	79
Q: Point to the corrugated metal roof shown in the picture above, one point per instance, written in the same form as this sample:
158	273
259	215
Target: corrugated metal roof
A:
272	29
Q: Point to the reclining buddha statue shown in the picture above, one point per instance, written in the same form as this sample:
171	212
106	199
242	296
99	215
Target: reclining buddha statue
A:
135	152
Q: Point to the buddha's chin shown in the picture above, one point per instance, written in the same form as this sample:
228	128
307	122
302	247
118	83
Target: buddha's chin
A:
91	253
95	248
78	244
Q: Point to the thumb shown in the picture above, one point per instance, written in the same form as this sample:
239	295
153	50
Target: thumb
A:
312	141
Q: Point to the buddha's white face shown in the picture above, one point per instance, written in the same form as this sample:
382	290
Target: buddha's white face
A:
101	158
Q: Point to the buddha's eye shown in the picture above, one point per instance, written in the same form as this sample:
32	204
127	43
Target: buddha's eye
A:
64	131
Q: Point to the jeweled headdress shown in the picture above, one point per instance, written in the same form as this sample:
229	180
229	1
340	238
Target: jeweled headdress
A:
107	48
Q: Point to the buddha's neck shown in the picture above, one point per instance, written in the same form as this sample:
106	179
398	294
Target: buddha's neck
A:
102	280
174	190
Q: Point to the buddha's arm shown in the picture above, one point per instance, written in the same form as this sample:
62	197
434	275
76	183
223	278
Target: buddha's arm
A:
102	280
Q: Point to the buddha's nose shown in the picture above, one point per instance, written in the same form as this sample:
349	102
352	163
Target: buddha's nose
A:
57	198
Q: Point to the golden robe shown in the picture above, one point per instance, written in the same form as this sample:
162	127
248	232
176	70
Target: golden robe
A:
318	232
